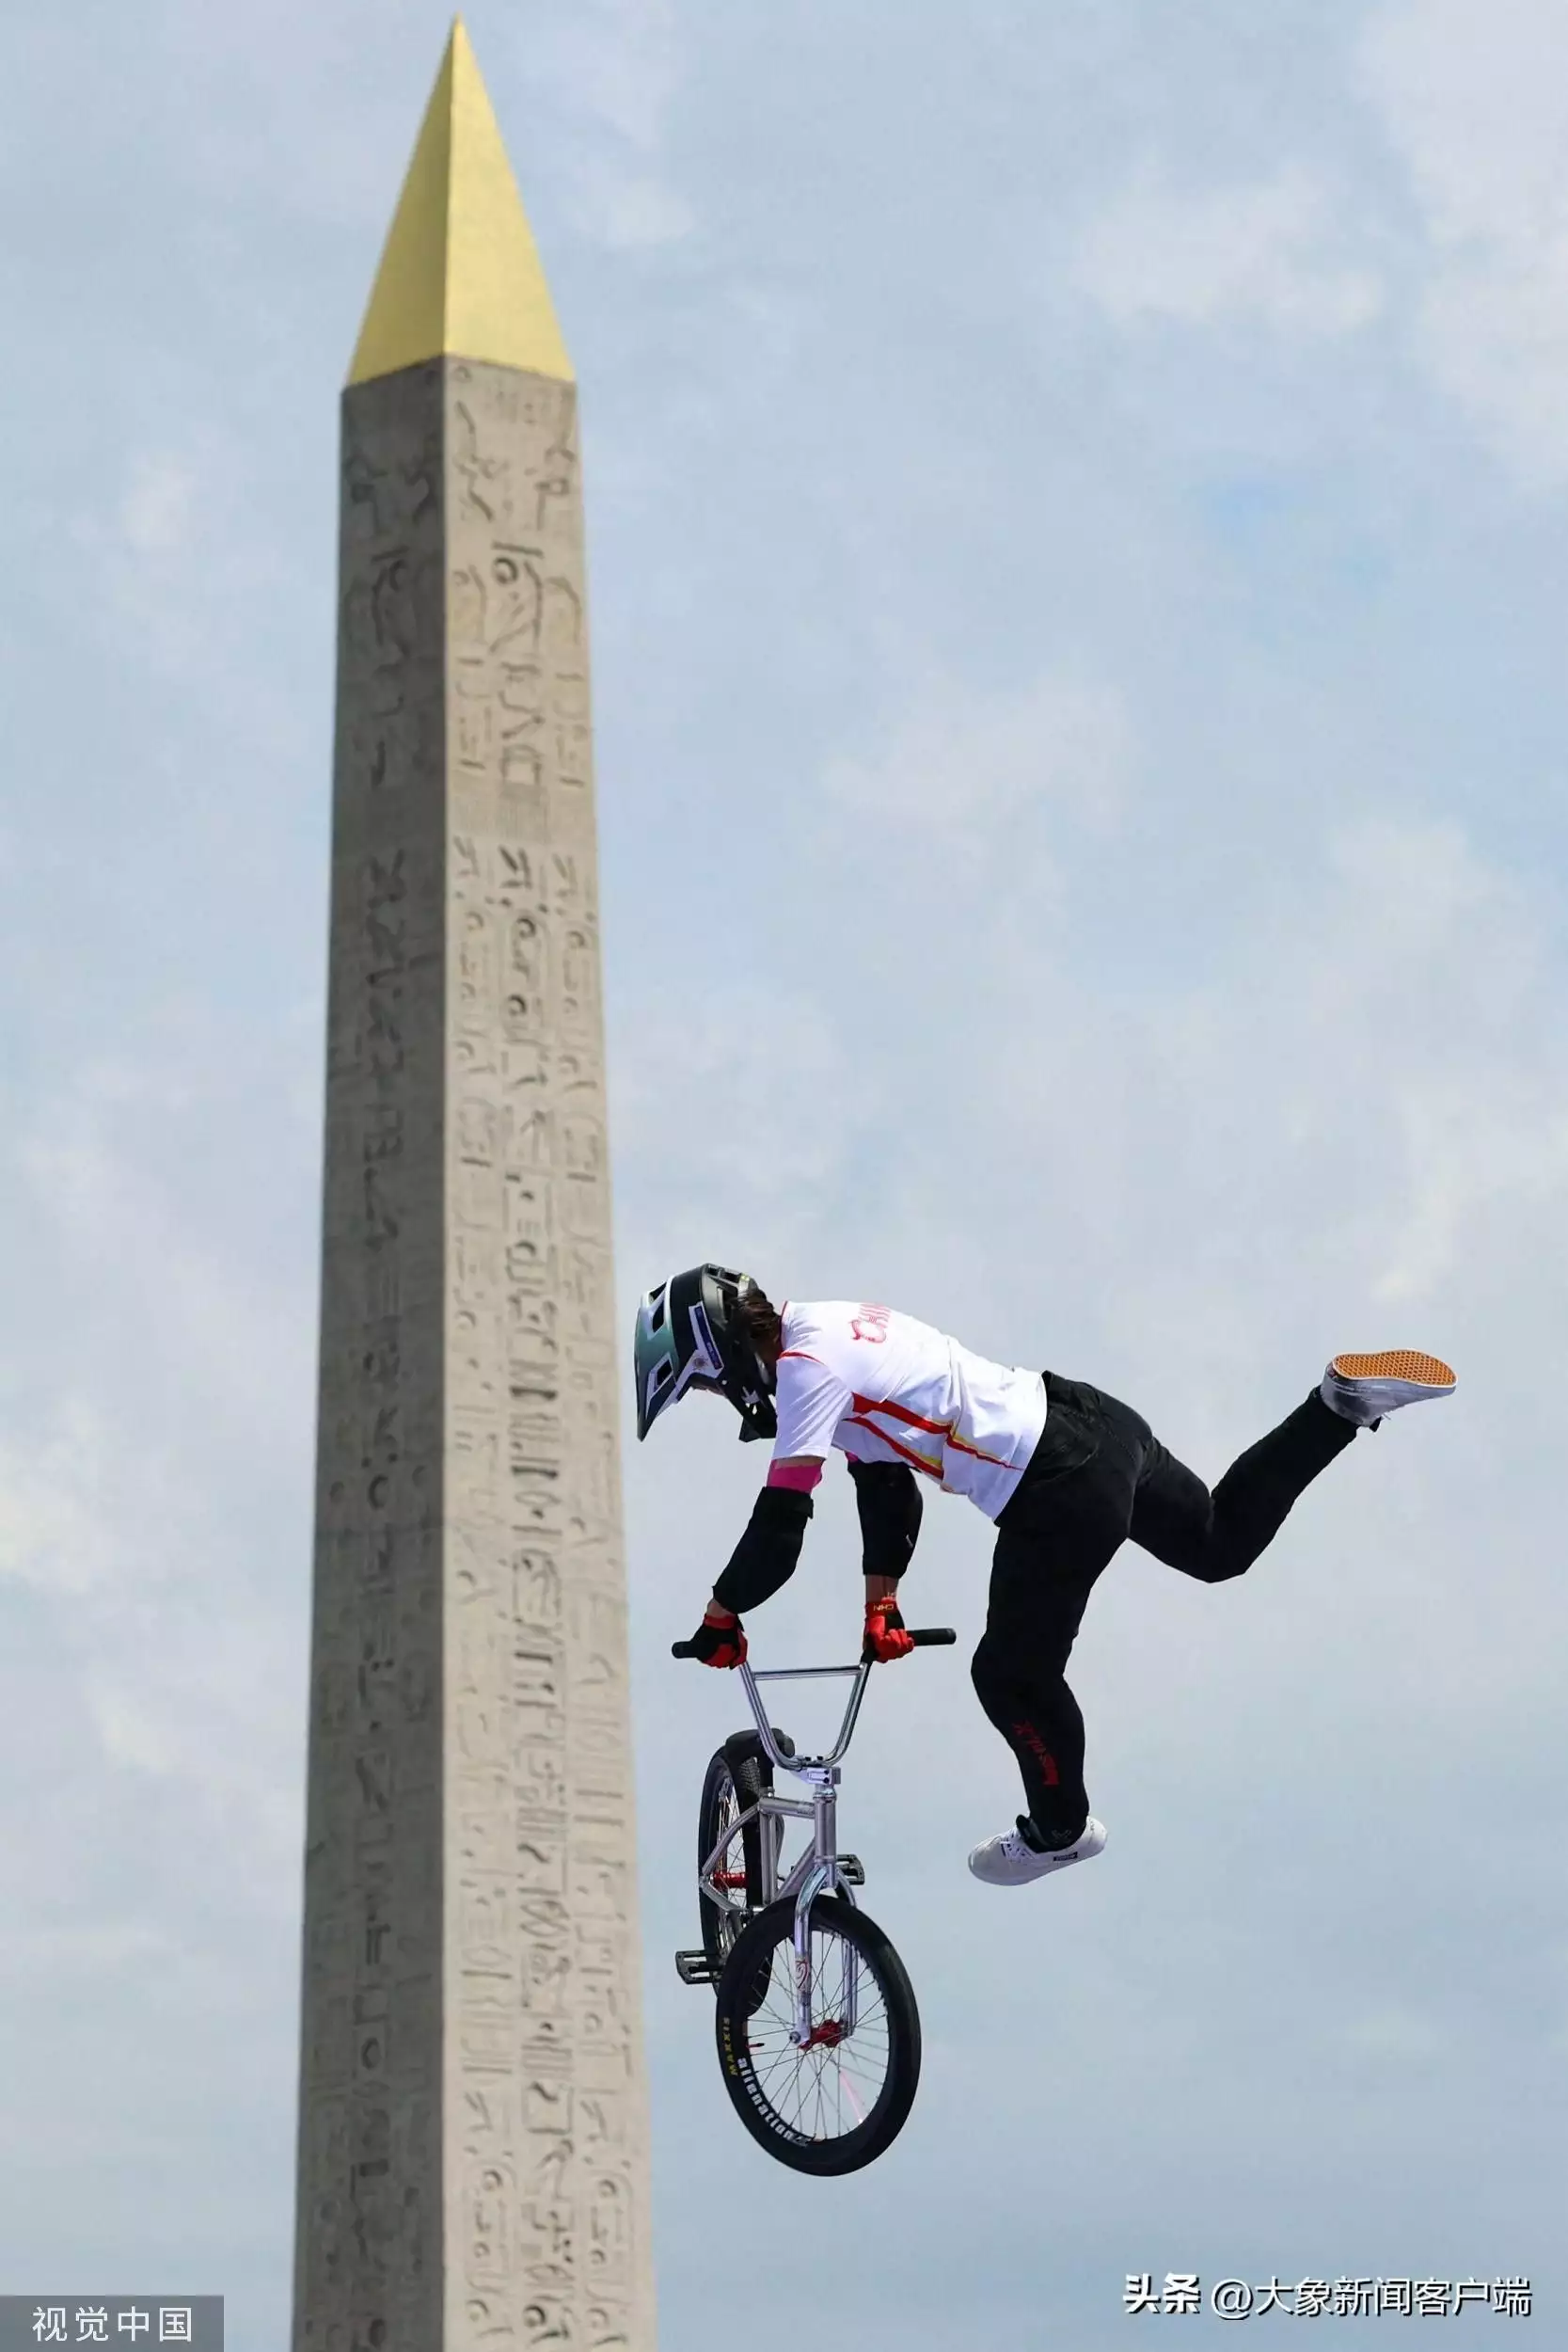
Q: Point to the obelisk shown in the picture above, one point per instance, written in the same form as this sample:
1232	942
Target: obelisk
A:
473	2158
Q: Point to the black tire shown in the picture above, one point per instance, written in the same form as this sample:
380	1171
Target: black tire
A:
793	2106
735	1779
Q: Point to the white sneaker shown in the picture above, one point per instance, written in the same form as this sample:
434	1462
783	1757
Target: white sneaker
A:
1363	1387
1011	1861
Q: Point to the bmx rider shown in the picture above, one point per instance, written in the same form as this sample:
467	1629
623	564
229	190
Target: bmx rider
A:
1064	1472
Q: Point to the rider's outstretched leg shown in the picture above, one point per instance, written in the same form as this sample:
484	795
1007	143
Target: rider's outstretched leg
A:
1218	1535
1098	1475
1215	1537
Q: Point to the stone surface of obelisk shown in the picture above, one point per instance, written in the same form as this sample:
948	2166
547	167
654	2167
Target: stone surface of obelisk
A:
473	2162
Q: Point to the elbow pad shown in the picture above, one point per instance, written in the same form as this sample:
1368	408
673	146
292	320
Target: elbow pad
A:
765	1555
890	1505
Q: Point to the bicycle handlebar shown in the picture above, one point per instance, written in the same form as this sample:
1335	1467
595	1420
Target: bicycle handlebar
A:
924	1637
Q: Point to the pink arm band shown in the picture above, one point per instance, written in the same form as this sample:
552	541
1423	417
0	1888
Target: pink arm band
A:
801	1476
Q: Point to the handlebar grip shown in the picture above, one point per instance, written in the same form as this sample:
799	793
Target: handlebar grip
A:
933	1636
683	1649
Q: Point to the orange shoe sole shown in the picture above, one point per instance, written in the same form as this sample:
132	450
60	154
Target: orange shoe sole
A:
1396	1364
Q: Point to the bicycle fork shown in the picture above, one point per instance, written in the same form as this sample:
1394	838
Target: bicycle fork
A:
823	1781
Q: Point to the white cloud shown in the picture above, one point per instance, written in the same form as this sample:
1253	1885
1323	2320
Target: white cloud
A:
1474	93
739	1116
1394	2032
1450	951
1266	250
615	66
1474	97
200	1692
100	1159
638	210
165	558
1474	1143
968	776
103	1948
1355	1126
132	1734
622	54
158	507
60	1496
166	1378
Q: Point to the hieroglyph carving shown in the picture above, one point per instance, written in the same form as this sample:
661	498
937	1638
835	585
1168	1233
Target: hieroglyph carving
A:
542	1992
473	2139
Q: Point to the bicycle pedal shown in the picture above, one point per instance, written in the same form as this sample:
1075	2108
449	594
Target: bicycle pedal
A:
694	1968
852	1869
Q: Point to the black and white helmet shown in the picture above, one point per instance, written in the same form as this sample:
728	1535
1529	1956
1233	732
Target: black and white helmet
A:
689	1337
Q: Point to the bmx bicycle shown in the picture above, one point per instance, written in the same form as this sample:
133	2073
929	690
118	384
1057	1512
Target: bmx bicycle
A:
816	2019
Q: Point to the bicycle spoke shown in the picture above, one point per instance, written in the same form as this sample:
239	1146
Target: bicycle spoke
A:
728	1920
829	2088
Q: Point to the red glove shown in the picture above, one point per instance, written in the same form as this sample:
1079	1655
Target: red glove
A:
885	1637
719	1640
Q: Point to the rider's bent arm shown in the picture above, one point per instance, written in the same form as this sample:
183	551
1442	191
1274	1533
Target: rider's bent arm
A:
890	1507
765	1557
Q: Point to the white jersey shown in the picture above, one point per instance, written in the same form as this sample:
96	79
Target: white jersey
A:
883	1387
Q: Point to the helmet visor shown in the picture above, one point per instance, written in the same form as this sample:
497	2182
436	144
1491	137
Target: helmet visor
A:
672	1326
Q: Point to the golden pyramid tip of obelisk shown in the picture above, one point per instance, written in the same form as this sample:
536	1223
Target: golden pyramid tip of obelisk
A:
460	271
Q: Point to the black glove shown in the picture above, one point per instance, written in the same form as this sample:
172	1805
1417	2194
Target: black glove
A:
719	1640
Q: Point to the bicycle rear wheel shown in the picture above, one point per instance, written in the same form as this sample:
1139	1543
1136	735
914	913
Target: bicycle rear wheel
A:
735	1778
837	2104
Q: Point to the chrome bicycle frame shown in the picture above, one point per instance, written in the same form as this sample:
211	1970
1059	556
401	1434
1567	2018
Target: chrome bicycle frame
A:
821	1869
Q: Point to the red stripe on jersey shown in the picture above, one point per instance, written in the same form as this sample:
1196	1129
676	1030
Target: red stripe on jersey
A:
900	1412
932	1469
946	1431
979	1453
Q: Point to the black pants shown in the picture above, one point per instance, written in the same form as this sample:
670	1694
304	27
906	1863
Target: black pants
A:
1098	1476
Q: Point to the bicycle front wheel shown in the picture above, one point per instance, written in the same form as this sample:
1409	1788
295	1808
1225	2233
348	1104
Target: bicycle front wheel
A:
837	2103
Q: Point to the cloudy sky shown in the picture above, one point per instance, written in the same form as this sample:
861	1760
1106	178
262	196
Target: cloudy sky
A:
1078	504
